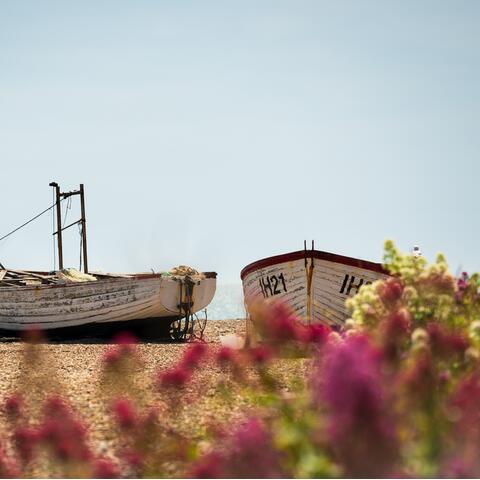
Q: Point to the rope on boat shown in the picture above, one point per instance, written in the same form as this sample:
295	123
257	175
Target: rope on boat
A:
29	221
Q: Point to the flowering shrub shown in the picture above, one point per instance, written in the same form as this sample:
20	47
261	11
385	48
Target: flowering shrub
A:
396	393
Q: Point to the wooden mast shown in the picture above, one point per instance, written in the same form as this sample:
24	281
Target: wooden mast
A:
59	224
84	228
82	221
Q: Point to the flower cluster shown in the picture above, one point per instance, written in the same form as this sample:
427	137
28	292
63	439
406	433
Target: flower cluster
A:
179	375
395	393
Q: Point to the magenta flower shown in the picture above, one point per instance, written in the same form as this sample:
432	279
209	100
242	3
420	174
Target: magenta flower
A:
445	342
55	405
465	401
276	323
124	412
282	325
175	377
391	290
105	468
462	460
225	355
192	356
8	468
399	324
134	458
13	405
63	432
26	439
315	334
111	357
349	383
261	354
209	466
395	334
248	452
125	338
150	418
123	348
462	282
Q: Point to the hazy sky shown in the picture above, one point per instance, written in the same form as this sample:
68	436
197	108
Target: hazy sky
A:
217	133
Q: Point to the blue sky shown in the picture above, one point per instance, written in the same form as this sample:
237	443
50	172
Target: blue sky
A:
217	133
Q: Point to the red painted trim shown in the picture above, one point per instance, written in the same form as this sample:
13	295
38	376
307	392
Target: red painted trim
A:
300	255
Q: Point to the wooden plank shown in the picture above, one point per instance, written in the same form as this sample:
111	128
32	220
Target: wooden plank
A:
2	274
3	283
31	274
110	275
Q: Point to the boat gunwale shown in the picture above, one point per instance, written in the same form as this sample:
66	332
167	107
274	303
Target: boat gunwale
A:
124	277
317	254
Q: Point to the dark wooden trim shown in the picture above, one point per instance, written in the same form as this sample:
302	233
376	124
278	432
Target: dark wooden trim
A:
300	255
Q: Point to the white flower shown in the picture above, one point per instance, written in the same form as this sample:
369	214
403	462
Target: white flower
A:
419	336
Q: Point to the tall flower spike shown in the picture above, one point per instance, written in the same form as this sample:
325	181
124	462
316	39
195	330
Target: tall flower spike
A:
105	468
350	383
193	355
175	377
124	413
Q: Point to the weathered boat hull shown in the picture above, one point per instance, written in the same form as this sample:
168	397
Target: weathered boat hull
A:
315	284
142	296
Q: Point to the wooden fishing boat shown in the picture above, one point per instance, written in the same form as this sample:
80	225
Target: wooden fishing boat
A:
37	299
314	283
66	299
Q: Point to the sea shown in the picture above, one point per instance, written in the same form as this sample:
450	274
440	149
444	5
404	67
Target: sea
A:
227	304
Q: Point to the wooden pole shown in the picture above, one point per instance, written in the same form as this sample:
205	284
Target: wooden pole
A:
84	229
59	224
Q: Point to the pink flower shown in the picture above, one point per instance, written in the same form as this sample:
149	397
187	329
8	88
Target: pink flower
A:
444	377
26	439
208	466
125	338
316	333
55	405
466	400
124	348
399	323
124	413
62	432
134	458
349	383
175	377
391	290
283	323
464	437
395	333
192	356
105	468
278	324
8	468
457	468
462	282
445	342
261	354
225	355
248	452
150	418
111	356
13	405
420	380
